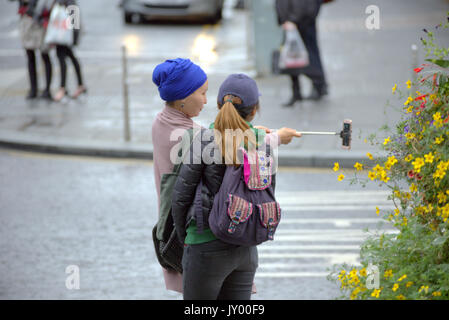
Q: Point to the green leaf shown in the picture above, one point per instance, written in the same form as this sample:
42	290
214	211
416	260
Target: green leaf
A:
440	62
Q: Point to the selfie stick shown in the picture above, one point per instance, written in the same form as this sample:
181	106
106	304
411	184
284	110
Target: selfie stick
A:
345	134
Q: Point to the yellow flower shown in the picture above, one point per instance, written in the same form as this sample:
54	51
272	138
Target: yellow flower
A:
404	221
436	116
377	210
438	140
336	166
400	297
393	90
388	273
375	293
409	284
413	188
409	135
386	141
409	99
384	177
341	177
417	164
409	84
409	158
371	175
402	278
378	169
429	208
396	212
362	272
429	157
409	109
436	294
441	197
358	166
395	287
369	155
423	288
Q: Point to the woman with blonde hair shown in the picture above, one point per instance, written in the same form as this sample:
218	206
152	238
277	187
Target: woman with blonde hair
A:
213	269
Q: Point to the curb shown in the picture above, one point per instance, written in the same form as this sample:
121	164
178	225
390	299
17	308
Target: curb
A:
133	150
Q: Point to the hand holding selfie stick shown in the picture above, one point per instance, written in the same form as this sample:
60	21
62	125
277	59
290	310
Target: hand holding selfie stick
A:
345	134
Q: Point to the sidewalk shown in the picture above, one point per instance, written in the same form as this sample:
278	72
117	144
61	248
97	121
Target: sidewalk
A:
361	67
93	125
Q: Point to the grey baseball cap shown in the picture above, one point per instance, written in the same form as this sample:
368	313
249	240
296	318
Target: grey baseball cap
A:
242	86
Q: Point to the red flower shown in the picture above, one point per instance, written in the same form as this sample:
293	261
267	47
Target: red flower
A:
423	105
411	174
418	176
417	70
421	97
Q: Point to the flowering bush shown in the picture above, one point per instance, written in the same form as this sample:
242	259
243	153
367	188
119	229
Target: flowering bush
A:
413	261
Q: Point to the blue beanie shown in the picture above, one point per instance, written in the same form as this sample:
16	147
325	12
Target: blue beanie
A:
178	78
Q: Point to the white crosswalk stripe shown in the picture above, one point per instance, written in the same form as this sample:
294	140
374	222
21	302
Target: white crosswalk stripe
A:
320	229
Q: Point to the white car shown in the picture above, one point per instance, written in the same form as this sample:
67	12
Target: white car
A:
135	11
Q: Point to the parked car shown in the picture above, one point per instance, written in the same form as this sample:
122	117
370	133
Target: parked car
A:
136	11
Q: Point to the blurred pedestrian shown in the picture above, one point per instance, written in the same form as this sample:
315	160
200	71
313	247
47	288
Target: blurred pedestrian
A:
63	51
213	269
34	16
303	14
183	86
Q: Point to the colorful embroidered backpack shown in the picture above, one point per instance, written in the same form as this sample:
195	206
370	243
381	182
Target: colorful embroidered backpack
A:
245	211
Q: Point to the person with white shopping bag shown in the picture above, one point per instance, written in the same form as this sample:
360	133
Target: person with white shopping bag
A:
34	15
63	32
302	14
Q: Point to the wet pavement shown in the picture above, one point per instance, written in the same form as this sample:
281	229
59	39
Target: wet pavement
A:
97	214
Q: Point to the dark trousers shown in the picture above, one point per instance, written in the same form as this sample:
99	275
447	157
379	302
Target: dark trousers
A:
31	57
314	71
217	270
62	52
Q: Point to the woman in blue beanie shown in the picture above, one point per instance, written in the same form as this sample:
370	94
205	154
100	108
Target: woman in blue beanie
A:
183	86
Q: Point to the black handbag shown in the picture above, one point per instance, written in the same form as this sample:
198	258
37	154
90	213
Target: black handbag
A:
169	253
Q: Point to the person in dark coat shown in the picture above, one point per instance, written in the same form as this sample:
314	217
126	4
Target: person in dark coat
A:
34	16
303	14
213	269
64	51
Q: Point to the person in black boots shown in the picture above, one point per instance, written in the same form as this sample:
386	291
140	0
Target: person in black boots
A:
34	16
63	51
303	14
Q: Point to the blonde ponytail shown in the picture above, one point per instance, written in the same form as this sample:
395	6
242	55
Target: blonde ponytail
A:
228	120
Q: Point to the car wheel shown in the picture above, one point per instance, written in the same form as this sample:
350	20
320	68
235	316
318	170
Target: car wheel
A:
127	18
136	18
217	17
132	18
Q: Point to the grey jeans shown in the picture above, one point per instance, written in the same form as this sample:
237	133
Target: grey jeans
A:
217	270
